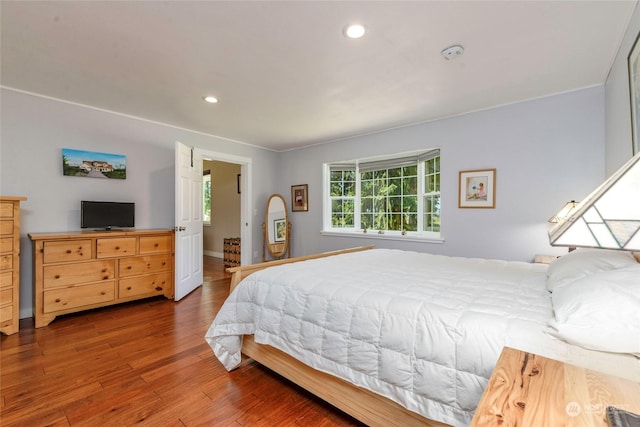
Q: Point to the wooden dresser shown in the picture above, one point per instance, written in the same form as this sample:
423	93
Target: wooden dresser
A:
88	269
10	264
530	390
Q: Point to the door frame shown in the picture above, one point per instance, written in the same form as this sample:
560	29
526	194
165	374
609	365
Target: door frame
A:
246	172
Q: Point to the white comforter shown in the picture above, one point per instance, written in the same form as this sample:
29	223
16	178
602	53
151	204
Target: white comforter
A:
424	330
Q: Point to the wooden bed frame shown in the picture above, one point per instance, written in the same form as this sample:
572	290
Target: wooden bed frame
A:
364	405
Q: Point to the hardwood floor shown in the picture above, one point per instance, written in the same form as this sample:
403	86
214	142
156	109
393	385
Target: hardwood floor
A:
145	363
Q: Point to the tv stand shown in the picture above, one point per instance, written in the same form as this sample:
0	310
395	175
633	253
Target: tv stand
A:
77	271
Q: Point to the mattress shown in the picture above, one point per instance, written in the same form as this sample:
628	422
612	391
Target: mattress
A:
423	330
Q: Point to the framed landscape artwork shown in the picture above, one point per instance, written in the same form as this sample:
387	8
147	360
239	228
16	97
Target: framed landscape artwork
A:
92	164
477	189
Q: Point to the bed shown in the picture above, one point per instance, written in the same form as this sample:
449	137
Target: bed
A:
406	338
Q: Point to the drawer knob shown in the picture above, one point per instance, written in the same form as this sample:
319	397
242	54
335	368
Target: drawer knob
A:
129	267
156	245
128	288
104	270
164	263
103	293
105	278
57	276
68	251
117	248
57	299
158	288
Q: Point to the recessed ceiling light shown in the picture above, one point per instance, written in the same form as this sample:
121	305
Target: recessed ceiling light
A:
210	99
354	31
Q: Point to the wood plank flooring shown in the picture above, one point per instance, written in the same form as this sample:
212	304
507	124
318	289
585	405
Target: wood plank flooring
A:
145	363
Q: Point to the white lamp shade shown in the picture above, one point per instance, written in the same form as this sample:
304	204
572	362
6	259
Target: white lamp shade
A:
609	217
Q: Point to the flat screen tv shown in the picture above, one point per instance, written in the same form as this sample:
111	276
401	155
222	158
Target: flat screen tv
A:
107	215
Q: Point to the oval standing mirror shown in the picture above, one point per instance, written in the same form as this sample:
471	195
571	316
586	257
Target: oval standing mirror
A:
276	228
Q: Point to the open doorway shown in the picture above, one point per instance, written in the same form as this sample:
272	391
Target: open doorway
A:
221	221
230	208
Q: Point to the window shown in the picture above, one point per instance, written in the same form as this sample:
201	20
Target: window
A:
396	196
206	197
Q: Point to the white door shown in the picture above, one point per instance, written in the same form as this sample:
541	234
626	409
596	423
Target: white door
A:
188	215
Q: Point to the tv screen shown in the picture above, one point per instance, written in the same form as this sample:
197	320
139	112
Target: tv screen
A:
106	215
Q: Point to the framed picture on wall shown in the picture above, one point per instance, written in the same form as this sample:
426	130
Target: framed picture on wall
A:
299	198
477	189
92	164
634	92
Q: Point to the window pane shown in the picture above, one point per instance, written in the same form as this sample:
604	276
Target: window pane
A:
350	189
395	186
367	205
395	172
336	176
395	204
410	170
366	221
381	174
206	198
336	189
411	222
410	186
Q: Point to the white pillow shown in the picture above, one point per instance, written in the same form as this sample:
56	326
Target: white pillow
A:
600	312
584	262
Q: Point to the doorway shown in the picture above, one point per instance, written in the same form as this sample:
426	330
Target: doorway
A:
221	219
230	189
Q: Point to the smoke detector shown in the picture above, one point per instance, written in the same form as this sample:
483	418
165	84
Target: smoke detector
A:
452	52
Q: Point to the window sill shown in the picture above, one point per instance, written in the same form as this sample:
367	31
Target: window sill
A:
375	235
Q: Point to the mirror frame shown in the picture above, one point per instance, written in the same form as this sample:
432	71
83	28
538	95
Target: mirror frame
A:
276	249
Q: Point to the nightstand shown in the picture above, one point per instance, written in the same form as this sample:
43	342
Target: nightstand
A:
530	390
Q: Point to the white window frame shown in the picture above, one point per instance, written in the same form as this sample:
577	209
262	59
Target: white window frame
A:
420	235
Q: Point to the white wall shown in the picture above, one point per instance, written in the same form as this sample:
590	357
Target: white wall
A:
546	151
35	129
617	103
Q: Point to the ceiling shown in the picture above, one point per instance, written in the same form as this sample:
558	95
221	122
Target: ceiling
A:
284	73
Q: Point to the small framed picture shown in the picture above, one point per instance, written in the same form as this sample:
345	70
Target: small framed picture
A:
280	230
477	189
299	198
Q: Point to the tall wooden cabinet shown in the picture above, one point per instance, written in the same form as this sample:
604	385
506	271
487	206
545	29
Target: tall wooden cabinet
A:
89	269
10	264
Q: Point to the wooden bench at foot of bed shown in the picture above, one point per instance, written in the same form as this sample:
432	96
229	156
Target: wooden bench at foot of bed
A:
364	405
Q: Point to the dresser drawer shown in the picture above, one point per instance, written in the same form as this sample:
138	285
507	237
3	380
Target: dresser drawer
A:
6	279
6	226
144	265
6	262
6	244
6	209
54	276
152	284
115	247
65	251
78	296
6	296
155	244
6	314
